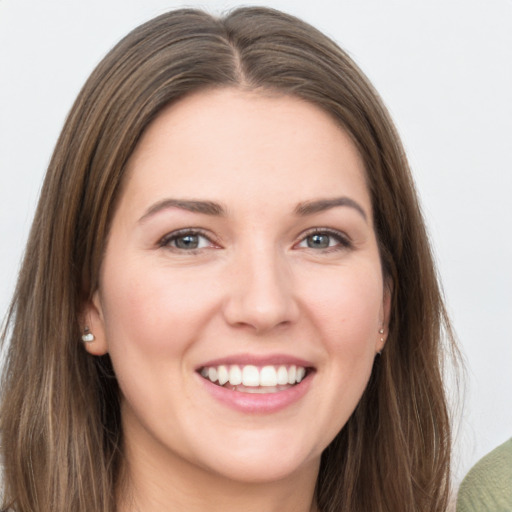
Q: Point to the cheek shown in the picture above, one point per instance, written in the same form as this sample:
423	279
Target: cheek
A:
152	311
347	307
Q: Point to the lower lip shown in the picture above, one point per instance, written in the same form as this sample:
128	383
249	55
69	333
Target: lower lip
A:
258	403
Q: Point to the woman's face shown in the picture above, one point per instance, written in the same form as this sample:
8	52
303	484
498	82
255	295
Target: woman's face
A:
242	253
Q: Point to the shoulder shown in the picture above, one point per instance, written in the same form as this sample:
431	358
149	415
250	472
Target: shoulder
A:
488	485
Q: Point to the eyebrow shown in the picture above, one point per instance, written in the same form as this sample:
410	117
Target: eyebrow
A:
217	210
204	207
321	205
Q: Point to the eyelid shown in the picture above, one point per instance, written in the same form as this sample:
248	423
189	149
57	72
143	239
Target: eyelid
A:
164	241
343	239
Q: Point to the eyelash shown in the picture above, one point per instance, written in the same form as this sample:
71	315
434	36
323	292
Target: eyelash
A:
168	239
342	240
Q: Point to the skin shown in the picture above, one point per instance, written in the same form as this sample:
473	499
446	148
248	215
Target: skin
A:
253	287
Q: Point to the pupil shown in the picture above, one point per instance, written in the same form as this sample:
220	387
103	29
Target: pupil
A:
187	242
318	241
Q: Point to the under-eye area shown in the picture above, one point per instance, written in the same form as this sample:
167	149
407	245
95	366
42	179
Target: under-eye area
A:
256	379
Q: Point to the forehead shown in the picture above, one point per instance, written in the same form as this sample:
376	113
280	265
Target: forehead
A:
238	145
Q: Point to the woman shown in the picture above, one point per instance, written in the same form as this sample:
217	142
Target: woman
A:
228	297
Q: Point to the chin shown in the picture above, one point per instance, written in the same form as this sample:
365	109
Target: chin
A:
266	469
262	459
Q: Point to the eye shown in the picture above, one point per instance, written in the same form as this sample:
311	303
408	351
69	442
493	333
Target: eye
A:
186	240
322	239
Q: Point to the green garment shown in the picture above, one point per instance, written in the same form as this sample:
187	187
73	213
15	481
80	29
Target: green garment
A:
488	485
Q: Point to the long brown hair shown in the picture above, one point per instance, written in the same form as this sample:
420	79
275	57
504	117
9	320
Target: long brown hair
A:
61	441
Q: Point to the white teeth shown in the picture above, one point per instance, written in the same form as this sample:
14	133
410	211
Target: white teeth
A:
268	376
292	373
282	375
222	375
212	373
252	376
235	375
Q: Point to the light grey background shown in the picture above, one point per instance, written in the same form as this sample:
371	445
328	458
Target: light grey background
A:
444	68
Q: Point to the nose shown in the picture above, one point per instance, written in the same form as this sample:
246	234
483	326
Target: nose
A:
260	294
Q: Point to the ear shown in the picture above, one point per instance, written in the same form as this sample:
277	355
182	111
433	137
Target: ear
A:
385	314
92	317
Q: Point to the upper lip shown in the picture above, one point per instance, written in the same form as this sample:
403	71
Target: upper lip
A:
257	360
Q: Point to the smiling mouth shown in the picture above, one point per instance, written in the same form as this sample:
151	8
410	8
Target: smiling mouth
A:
255	379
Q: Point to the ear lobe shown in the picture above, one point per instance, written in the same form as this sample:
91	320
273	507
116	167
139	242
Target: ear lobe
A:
92	318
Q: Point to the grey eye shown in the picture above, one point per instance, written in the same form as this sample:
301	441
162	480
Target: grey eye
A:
189	241
324	239
186	241
318	241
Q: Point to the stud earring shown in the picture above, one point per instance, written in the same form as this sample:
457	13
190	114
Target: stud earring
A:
87	336
381	331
